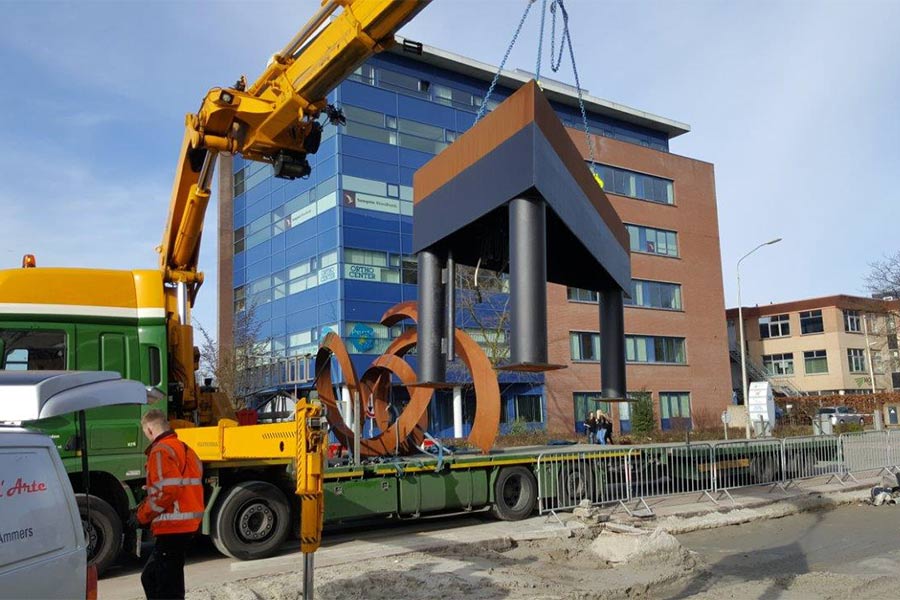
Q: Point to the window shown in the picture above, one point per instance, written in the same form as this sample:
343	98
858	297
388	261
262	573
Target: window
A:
374	134
779	364
453	97
892	341
651	349
391	80
238	183
675	410
852	322
363	115
365	257
364	74
816	362
654	294
585	402
857	359
584	345
155	370
529	408
653	241
636	185
422	130
811	322
580	295
775	326
410	270
32	350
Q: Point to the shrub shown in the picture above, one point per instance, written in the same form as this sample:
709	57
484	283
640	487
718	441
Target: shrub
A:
643	422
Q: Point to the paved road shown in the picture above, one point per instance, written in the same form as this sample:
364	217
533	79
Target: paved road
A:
860	541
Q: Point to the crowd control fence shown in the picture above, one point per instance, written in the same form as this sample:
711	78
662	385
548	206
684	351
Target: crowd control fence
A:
628	476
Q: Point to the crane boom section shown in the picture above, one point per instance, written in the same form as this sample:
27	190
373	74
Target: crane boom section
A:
273	120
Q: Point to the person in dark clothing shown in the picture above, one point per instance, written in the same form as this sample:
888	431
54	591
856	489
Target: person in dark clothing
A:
590	426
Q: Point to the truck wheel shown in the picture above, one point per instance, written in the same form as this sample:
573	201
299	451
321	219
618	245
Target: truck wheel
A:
515	494
102	534
252	521
763	469
576	484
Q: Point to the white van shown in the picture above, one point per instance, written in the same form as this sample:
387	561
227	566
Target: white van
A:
42	550
42	547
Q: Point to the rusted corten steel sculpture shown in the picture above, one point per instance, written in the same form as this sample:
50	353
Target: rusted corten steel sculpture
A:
403	435
514	194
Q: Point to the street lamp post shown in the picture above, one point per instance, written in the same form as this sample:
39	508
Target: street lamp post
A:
744	384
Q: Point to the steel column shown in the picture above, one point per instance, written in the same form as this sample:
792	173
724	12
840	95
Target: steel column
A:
431	356
528	282
612	344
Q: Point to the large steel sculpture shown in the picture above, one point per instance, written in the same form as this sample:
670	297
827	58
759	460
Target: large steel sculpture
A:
407	431
512	194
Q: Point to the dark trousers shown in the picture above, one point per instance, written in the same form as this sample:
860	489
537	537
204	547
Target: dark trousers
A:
163	575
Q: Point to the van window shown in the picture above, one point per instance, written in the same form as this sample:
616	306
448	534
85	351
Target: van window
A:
33	350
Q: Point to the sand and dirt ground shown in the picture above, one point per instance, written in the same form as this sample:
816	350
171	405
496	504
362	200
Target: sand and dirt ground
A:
807	549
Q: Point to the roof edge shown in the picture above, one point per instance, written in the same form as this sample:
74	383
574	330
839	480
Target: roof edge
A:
558	92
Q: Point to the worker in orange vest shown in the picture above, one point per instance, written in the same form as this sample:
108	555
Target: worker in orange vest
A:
173	507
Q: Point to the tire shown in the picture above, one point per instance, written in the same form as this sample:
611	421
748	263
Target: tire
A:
252	521
763	469
515	494
103	534
575	485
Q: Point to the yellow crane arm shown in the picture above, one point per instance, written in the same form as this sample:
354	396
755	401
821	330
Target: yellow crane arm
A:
275	119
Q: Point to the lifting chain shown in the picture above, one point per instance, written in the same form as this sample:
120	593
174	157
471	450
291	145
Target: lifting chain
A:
556	6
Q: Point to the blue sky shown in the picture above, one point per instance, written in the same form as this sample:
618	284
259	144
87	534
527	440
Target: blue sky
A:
795	102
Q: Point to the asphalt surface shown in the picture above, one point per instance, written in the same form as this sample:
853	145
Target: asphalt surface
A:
856	540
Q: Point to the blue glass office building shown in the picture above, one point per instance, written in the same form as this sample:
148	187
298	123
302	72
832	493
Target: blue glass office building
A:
333	252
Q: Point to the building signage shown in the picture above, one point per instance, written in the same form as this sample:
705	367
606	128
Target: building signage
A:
363	337
362	272
761	404
329	273
377	203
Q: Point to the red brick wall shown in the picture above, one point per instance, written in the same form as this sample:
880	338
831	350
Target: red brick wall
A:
699	271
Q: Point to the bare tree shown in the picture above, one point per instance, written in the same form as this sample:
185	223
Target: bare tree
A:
884	276
233	368
482	299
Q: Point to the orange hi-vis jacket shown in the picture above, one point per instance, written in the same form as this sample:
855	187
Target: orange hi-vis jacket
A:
174	502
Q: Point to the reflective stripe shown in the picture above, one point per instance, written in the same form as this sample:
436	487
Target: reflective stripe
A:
179	516
153	505
176	481
159	471
168	449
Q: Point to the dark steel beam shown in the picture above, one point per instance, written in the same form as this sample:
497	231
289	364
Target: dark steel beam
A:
431	356
612	345
528	282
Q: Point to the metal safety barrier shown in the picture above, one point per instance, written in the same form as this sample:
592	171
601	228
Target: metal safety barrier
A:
866	451
745	463
628	476
566	479
807	457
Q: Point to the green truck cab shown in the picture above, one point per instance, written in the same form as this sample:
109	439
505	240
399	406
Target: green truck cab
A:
91	320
